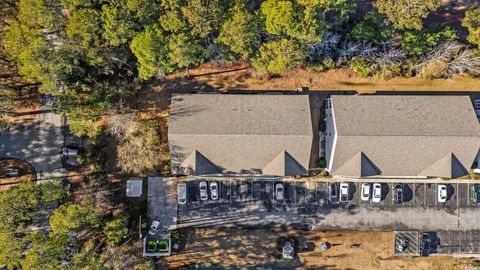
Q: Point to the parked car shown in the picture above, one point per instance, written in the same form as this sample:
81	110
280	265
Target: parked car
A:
476	193
154	227
365	192
332	193
203	191
377	193
442	193
182	193
344	192
13	172
424	244
214	190
398	196
70	151
279	192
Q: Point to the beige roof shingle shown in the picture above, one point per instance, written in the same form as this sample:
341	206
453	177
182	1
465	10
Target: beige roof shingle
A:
405	135
241	134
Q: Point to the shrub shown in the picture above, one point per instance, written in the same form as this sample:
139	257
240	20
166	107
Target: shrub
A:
361	67
116	230
388	71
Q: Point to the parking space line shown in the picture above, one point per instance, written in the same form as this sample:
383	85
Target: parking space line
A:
230	186
435	189
413	196
456	196
316	193
425	195
468	194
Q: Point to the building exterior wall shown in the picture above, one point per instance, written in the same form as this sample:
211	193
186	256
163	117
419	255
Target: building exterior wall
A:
330	133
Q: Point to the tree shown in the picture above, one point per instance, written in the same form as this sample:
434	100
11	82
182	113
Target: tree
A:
17	205
417	42
241	31
116	230
186	51
86	26
11	248
407	14
52	191
151	49
203	16
73	217
279	55
281	17
472	23
372	28
118	24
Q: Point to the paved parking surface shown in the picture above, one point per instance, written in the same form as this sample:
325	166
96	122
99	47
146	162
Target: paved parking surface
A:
459	242
249	201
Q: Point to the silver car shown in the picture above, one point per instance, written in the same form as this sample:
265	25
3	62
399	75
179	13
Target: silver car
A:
279	192
365	191
182	193
203	191
214	190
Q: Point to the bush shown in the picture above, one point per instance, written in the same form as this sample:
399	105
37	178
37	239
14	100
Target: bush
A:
116	230
389	71
141	151
417	42
52	191
434	69
361	67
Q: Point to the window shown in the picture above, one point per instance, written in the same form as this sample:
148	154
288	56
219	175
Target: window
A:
477	104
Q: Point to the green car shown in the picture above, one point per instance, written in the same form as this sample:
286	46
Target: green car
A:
476	193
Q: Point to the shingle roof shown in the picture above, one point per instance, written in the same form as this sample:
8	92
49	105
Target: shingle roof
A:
240	133
405	135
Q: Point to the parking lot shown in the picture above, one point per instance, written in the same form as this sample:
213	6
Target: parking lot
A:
298	193
253	202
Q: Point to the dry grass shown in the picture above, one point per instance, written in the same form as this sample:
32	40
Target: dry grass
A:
255	247
244	78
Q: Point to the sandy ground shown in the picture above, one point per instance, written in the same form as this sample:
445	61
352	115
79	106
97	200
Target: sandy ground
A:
258	247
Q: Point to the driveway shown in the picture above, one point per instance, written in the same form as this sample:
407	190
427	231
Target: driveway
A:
39	142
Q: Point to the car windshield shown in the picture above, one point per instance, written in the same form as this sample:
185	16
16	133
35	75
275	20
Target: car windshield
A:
203	187
213	187
280	189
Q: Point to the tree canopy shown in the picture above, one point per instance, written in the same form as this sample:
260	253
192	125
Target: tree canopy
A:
407	14
472	23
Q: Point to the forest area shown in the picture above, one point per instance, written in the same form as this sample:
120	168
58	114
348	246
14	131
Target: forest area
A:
94	56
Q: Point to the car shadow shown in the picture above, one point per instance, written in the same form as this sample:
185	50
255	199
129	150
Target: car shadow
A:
385	191
407	193
450	191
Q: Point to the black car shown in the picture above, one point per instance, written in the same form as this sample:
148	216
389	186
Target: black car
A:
398	196
424	244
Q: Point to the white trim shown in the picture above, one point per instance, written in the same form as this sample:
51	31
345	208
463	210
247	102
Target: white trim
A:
334	144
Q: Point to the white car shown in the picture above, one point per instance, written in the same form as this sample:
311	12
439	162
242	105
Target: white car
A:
182	193
377	193
442	193
279	192
203	191
344	192
154	227
365	191
214	190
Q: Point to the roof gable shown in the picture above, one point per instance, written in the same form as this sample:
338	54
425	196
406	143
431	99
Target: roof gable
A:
284	165
358	165
448	166
198	164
